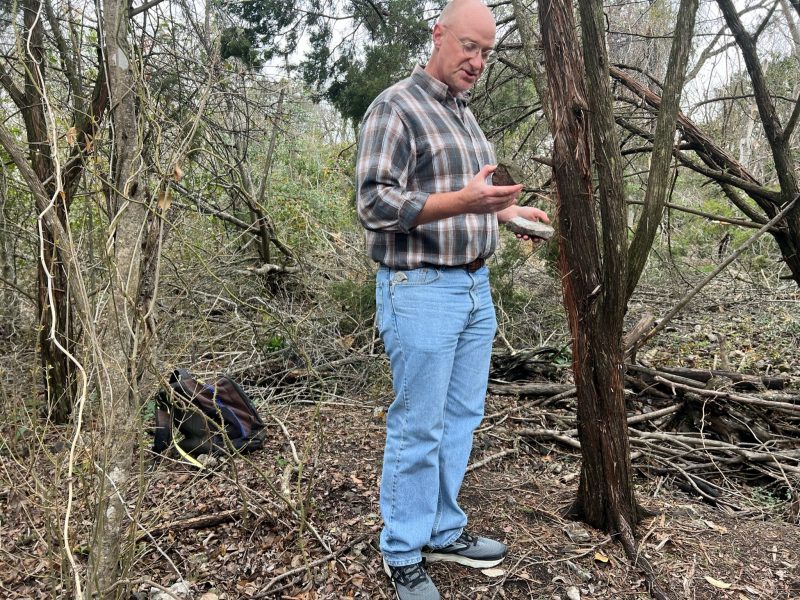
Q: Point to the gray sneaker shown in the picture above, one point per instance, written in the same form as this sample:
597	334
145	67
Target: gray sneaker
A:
411	582
470	551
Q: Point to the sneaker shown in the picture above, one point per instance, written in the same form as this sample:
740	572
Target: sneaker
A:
470	551
411	582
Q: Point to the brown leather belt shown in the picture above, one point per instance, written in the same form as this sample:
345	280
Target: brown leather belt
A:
474	265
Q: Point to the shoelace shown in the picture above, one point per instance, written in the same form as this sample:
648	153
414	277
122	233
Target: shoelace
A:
409	576
469	540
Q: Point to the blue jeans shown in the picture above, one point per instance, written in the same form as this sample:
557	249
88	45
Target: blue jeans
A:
437	325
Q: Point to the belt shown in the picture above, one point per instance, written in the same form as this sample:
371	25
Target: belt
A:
474	265
470	267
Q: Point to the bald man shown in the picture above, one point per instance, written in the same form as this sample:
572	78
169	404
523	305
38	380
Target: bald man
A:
431	221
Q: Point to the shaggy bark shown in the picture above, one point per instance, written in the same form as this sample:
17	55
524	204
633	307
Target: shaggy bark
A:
593	297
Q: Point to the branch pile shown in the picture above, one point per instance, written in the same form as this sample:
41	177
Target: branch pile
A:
708	431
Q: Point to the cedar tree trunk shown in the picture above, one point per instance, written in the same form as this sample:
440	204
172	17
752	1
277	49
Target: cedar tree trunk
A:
593	287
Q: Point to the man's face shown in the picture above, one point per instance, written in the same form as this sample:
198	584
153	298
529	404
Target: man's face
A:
462	48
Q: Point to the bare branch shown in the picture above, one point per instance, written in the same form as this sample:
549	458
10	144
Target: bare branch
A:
16	94
132	12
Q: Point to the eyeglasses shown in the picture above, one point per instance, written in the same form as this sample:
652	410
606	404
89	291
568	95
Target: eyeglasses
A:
472	50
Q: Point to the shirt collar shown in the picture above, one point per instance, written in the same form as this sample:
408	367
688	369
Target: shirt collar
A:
437	89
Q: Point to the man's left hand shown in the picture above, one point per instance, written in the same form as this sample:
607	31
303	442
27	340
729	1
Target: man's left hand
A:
526	212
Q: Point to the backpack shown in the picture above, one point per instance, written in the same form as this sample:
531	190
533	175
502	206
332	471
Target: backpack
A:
212	418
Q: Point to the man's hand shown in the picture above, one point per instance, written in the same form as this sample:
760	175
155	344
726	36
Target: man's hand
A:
526	212
480	197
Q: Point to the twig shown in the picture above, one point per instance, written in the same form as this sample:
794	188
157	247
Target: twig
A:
143	581
488	459
319	561
551	434
289	439
655	414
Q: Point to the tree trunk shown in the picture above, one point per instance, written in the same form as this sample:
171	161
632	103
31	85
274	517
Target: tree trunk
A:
788	242
57	331
658	178
10	307
56	324
125	336
593	288
793	30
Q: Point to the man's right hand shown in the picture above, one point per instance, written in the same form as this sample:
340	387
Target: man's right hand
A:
480	197
476	197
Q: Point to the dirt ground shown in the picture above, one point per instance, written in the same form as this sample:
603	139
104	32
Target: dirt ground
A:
699	551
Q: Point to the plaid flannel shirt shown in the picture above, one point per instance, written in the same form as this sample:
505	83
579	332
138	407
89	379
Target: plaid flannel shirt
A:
418	139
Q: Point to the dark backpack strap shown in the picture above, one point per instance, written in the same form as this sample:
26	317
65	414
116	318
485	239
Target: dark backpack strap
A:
163	433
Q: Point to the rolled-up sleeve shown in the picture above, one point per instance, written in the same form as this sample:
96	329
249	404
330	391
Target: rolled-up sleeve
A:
386	157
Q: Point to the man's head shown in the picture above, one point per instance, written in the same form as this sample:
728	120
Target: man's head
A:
461	38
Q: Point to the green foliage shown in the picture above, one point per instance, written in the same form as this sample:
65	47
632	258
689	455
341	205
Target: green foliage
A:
502	106
510	258
273	344
350	73
270	24
309	193
237	42
351	81
361	81
770	497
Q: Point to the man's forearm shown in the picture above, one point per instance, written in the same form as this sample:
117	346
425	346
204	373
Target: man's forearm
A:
440	206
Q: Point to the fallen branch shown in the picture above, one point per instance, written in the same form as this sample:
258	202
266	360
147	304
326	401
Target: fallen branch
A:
199	522
707	444
268	268
741	380
785	407
529	388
